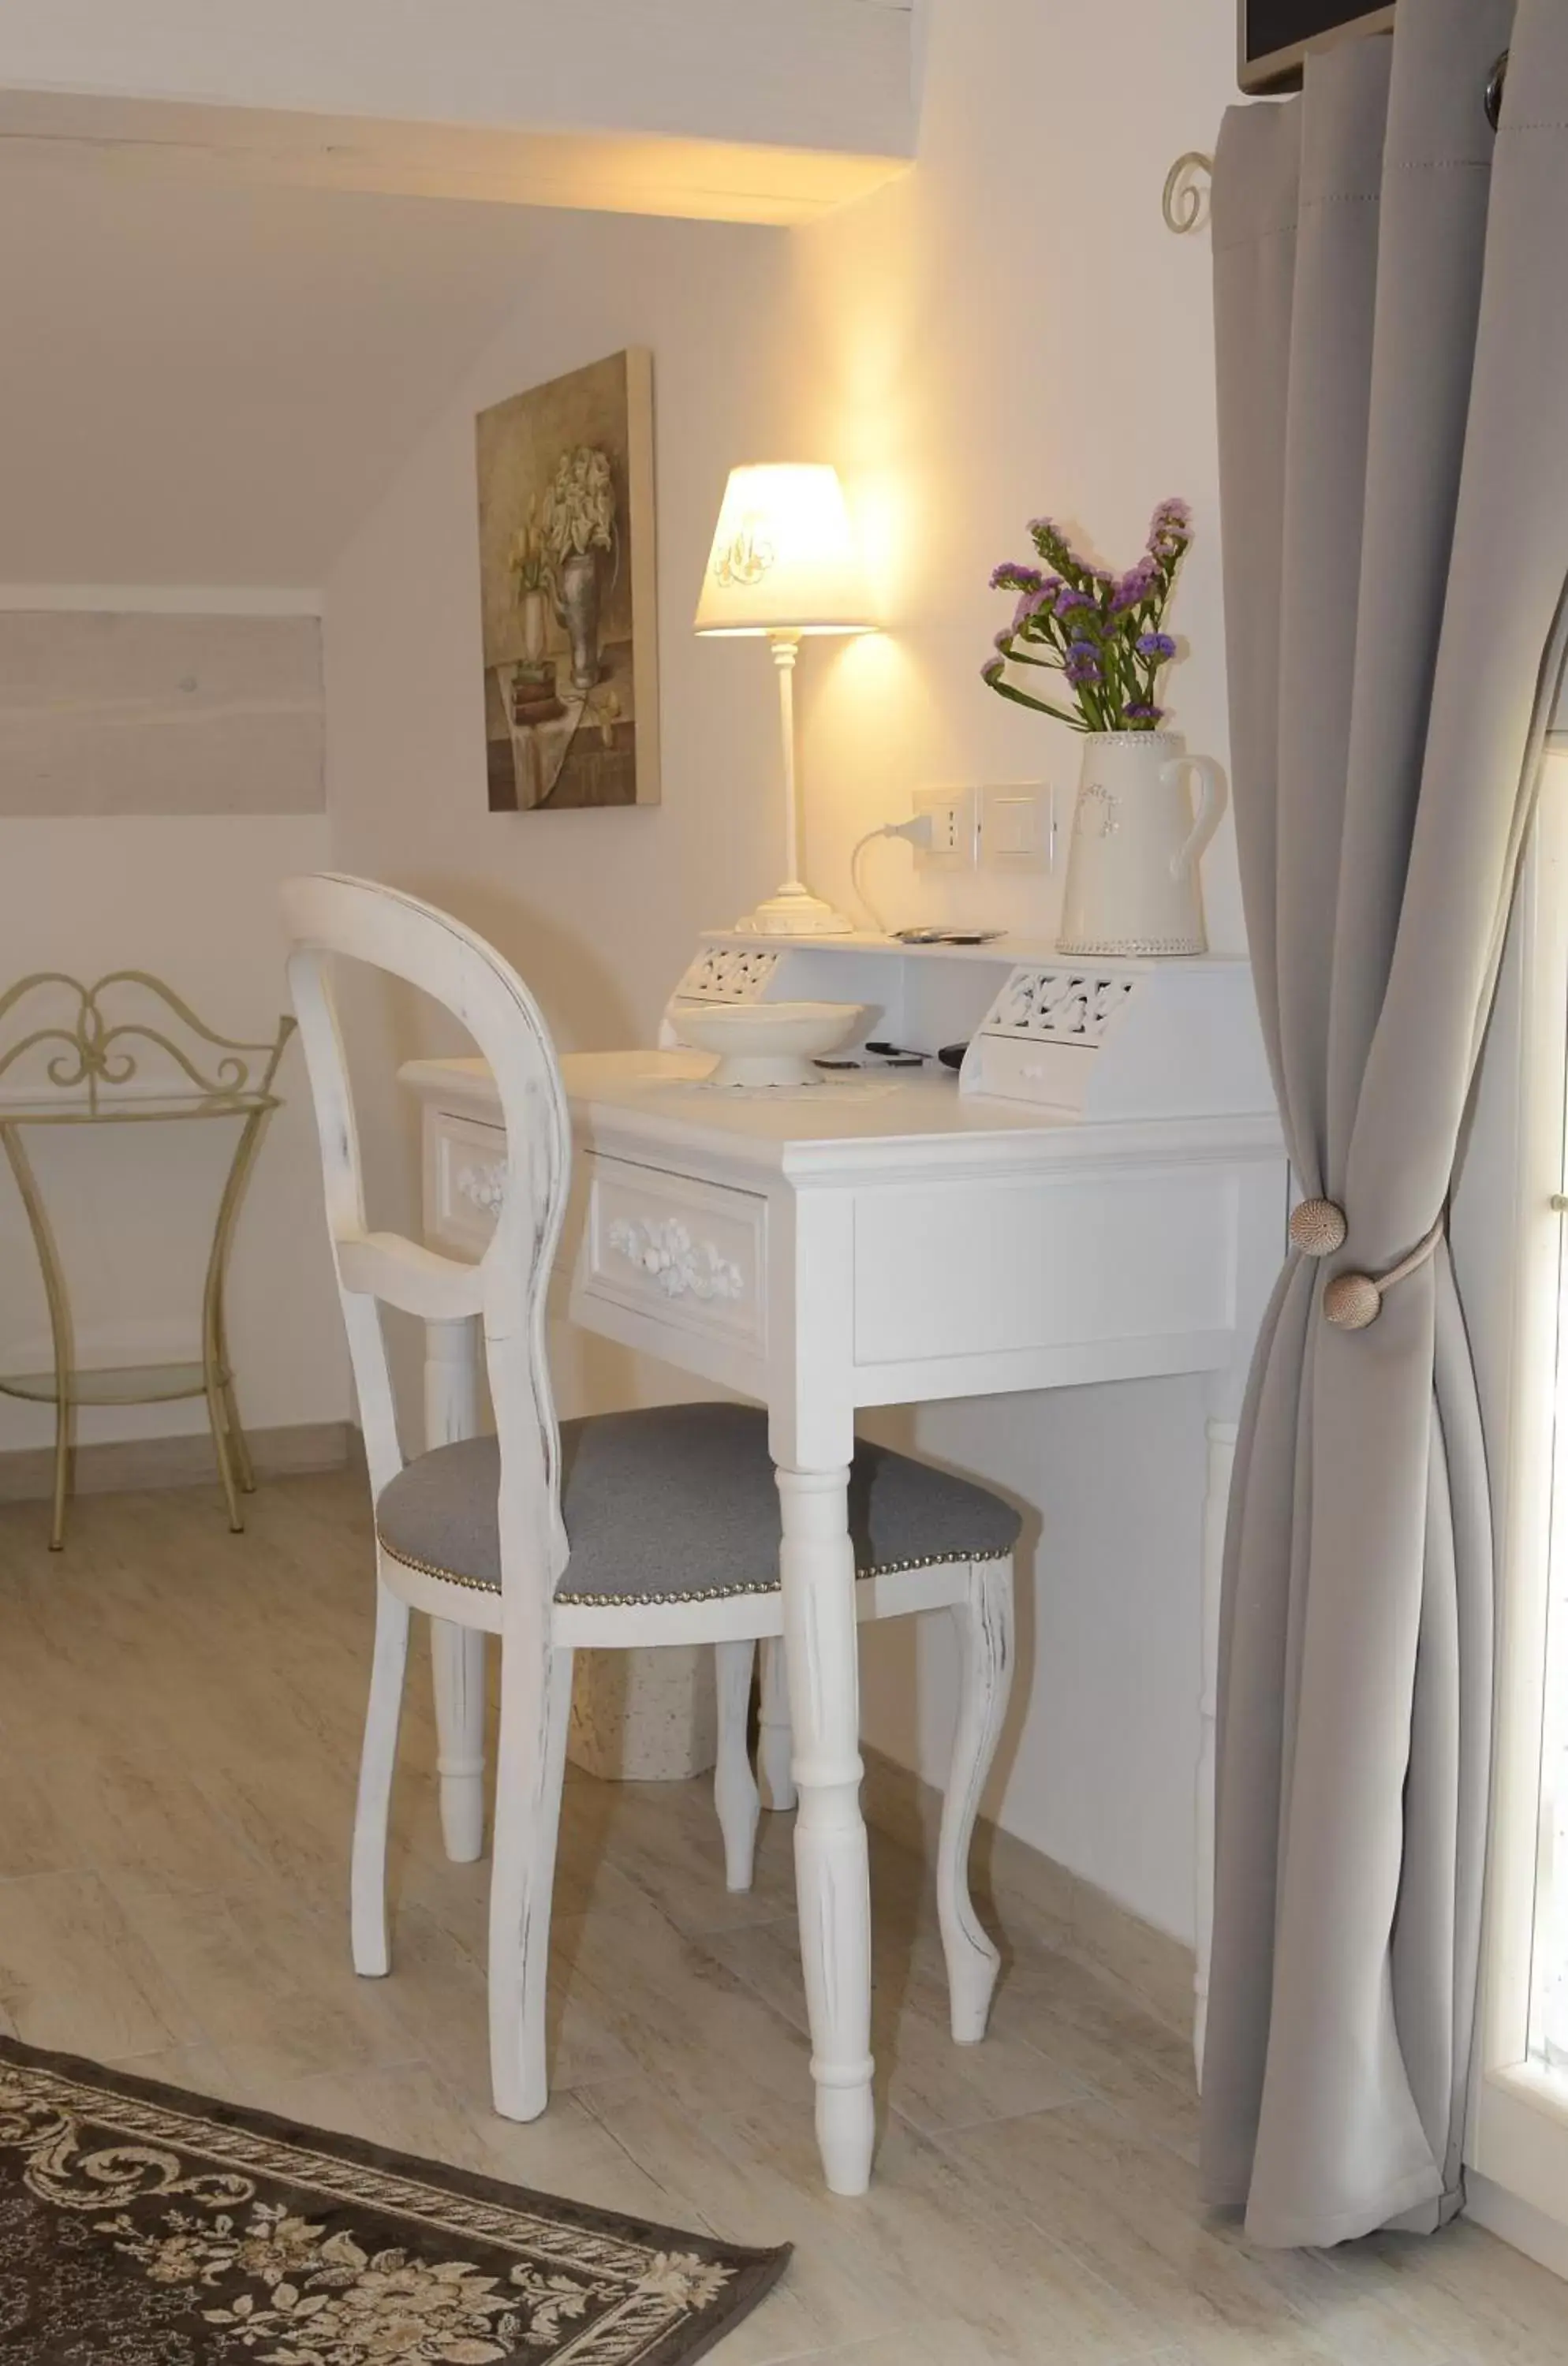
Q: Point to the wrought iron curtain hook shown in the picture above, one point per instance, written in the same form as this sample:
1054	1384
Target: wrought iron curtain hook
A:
1184	200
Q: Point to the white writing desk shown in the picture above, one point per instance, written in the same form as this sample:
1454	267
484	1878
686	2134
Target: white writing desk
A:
879	1241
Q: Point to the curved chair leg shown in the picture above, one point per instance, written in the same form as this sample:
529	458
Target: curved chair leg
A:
773	1741
734	1784
536	1709
985	1631
368	1878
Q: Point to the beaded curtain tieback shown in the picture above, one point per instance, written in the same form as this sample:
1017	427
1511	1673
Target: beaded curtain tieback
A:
1351	1300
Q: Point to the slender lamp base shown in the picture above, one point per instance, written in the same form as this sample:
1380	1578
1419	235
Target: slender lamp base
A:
792	911
784	562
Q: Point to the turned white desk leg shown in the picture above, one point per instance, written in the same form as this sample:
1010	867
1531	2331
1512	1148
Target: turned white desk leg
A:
1222	1439
773	1747
831	1868
457	1653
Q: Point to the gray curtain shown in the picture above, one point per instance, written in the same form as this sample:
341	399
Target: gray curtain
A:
1392	292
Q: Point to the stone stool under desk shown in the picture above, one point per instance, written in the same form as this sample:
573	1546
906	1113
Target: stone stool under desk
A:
1101	1195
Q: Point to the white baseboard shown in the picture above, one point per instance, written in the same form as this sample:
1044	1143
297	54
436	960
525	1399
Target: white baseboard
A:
119	1466
1068	1911
1529	2230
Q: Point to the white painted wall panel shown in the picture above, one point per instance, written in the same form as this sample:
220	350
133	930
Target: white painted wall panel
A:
149	714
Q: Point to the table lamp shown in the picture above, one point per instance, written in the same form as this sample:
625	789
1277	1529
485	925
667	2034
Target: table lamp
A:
784	563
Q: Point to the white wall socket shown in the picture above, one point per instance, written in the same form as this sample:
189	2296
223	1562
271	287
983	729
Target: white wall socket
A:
955	829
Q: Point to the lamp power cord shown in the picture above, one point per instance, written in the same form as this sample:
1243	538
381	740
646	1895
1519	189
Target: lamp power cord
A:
917	831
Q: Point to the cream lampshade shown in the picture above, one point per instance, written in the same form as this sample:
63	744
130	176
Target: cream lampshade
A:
784	563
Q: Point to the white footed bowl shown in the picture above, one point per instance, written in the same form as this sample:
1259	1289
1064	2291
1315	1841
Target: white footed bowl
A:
767	1043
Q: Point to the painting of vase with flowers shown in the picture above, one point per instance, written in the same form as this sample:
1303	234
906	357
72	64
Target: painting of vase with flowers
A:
567	590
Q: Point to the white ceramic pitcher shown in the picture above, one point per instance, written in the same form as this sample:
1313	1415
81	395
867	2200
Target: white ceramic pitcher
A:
1132	882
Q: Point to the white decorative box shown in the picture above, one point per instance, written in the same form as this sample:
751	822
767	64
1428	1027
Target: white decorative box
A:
1098	1039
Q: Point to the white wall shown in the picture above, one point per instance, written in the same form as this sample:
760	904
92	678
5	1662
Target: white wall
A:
210	386
1007	330
192	897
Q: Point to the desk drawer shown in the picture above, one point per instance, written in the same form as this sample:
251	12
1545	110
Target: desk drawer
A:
689	1254
963	1270
465	1181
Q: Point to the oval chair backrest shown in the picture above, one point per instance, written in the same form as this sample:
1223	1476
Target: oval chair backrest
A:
358	919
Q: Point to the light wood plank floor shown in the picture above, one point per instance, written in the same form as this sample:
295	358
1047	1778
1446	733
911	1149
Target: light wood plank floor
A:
179	1715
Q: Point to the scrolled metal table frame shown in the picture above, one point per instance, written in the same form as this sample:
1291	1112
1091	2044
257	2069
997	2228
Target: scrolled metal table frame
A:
89	1073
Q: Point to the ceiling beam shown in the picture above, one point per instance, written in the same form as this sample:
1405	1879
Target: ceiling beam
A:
606	172
745	110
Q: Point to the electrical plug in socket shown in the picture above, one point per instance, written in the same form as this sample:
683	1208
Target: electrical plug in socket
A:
955	816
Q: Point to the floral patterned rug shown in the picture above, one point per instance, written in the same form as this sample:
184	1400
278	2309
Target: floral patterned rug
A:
143	2226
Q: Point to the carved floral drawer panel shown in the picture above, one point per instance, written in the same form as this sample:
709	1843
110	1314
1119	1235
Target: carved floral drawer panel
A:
696	1254
465	1181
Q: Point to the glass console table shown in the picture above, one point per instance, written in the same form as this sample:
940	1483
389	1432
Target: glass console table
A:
74	1066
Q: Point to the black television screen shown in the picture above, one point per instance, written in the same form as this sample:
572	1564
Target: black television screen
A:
1277	34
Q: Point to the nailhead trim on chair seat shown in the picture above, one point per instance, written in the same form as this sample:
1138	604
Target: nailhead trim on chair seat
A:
683	1498
708	1593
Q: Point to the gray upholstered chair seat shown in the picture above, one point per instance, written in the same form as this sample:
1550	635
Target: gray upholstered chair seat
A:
677	1504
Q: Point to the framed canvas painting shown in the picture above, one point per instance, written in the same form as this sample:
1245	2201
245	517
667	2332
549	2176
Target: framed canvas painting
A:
567	590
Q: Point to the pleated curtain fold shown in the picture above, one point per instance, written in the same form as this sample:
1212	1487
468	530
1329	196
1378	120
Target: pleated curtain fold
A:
1392	330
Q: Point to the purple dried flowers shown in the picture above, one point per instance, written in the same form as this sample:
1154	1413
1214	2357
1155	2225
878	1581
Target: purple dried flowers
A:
1030	603
1133	588
1103	633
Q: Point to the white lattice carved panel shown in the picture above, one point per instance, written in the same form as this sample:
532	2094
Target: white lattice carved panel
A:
728	973
1059	1005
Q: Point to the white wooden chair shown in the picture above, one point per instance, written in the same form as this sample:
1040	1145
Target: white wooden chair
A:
624	1530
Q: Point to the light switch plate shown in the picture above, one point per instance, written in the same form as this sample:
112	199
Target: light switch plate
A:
1018	825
